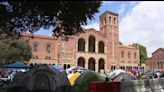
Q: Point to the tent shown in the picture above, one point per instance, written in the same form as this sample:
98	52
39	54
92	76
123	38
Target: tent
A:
82	82
157	70
58	67
16	65
124	77
115	73
43	78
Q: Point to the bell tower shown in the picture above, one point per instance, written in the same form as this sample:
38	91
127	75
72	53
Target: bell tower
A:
109	28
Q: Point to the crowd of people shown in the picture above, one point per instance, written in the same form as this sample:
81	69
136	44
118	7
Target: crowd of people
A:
142	75
7	75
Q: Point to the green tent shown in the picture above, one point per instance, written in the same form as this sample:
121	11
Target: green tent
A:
81	83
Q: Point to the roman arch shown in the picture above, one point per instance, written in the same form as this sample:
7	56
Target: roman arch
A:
101	64
91	64
81	62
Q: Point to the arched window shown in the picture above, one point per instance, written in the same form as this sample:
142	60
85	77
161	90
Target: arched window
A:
135	55
101	64
91	44
81	44
122	54
109	19
35	47
91	64
128	54
81	62
114	21
113	67
101	47
48	49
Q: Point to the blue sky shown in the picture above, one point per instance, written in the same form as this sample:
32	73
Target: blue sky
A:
139	22
106	6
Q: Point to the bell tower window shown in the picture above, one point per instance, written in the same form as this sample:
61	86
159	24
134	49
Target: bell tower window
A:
114	21
109	20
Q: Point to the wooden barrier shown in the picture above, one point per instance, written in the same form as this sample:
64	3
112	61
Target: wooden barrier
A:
104	87
151	85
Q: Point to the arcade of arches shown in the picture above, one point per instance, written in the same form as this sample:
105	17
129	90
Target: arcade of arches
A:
91	63
91	45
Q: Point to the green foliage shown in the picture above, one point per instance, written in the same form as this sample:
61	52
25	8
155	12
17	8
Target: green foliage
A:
66	17
142	52
14	49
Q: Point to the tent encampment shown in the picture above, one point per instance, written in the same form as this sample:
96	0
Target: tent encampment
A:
16	65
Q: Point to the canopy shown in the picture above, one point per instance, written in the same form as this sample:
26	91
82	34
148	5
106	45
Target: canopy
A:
123	77
76	68
115	73
16	65
58	67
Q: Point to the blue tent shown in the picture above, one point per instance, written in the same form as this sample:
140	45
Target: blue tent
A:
16	65
156	70
58	67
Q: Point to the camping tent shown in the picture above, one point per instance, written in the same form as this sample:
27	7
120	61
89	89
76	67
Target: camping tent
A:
16	65
43	78
58	67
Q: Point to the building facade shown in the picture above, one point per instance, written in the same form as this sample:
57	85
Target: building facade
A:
94	50
157	60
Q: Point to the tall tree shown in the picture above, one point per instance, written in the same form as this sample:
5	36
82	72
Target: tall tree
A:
12	49
65	16
142	52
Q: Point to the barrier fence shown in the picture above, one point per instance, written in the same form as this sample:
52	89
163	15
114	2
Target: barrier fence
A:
151	85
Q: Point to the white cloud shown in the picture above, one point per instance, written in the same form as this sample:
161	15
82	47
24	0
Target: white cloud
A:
93	25
144	24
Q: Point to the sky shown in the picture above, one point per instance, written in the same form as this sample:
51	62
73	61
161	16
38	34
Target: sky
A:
139	22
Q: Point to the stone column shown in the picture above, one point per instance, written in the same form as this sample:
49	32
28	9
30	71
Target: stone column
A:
86	46
96	66
86	64
96	46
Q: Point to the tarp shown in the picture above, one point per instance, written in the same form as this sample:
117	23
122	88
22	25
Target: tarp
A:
16	65
58	67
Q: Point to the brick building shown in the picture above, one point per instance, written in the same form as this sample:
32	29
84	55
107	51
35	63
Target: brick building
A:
157	60
92	49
